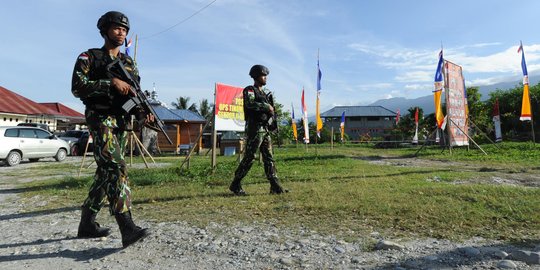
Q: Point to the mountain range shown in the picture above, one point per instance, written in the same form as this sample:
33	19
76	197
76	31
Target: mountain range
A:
426	102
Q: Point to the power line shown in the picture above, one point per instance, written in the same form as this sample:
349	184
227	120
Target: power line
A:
182	21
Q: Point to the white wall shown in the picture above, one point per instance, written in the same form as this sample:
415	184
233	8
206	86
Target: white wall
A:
9	119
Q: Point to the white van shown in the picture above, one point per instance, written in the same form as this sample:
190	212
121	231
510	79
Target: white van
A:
32	143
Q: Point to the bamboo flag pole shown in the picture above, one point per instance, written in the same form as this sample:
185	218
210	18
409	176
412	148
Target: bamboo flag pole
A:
136	46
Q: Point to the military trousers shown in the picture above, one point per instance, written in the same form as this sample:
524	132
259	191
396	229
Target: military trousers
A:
257	140
110	179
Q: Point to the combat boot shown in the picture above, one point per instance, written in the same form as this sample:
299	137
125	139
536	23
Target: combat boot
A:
88	227
275	187
130	232
236	188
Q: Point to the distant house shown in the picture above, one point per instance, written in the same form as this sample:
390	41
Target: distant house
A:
183	127
66	118
374	121
15	109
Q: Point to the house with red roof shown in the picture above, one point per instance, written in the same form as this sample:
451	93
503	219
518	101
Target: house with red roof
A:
15	109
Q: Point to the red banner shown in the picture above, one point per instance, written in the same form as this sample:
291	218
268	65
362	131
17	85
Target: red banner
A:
456	104
229	112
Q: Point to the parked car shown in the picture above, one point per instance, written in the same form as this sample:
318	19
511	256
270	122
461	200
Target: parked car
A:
42	126
18	142
77	140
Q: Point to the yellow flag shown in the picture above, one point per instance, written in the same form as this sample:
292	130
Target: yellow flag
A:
439	84
525	104
318	114
438	108
525	101
294	131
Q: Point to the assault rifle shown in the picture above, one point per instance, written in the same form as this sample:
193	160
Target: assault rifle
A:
272	121
117	69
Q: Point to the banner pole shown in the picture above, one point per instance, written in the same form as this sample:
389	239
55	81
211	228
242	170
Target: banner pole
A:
332	139
214	134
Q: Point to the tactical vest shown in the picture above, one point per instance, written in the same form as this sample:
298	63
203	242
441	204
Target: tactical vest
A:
99	59
97	71
252	116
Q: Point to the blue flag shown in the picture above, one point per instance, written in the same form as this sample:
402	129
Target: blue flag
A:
319	77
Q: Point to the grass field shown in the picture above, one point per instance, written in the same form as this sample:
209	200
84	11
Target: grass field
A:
341	191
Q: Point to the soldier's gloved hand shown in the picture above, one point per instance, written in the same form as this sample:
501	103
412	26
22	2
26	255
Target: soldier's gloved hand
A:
150	118
271	111
122	87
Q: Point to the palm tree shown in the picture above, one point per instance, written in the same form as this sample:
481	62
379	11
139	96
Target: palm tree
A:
205	109
182	104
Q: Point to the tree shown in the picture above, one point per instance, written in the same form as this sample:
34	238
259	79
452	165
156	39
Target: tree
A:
478	115
182	104
282	117
206	109
406	126
510	111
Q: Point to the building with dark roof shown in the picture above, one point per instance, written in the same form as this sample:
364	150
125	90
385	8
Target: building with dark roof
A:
183	127
374	121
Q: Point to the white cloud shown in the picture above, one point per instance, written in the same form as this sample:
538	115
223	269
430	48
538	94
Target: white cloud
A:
375	86
416	87
416	76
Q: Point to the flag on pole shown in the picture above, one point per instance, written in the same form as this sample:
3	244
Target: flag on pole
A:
465	97
398	115
525	101
439	83
497	121
415	138
342	125
318	112
305	120
128	45
293	123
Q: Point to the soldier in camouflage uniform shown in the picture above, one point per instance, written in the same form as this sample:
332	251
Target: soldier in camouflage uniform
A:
257	112
108	124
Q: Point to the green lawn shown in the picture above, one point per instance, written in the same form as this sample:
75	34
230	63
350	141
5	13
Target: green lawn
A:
340	191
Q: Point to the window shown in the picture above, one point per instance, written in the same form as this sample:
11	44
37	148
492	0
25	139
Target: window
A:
42	134
27	133
12	132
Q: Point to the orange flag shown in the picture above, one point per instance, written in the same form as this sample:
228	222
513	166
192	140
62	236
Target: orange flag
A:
438	91
525	101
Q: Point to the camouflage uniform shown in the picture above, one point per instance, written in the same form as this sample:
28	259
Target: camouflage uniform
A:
256	113
107	123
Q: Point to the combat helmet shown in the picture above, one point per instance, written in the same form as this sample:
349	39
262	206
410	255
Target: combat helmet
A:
258	70
112	17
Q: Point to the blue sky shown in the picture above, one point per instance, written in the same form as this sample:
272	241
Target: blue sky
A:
369	50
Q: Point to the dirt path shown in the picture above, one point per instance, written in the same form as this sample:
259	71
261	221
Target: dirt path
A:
45	240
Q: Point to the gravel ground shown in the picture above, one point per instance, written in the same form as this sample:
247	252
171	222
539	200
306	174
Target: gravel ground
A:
46	240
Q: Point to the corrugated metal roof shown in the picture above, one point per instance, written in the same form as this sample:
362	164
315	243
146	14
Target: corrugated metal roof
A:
10	102
189	115
358	111
166	114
